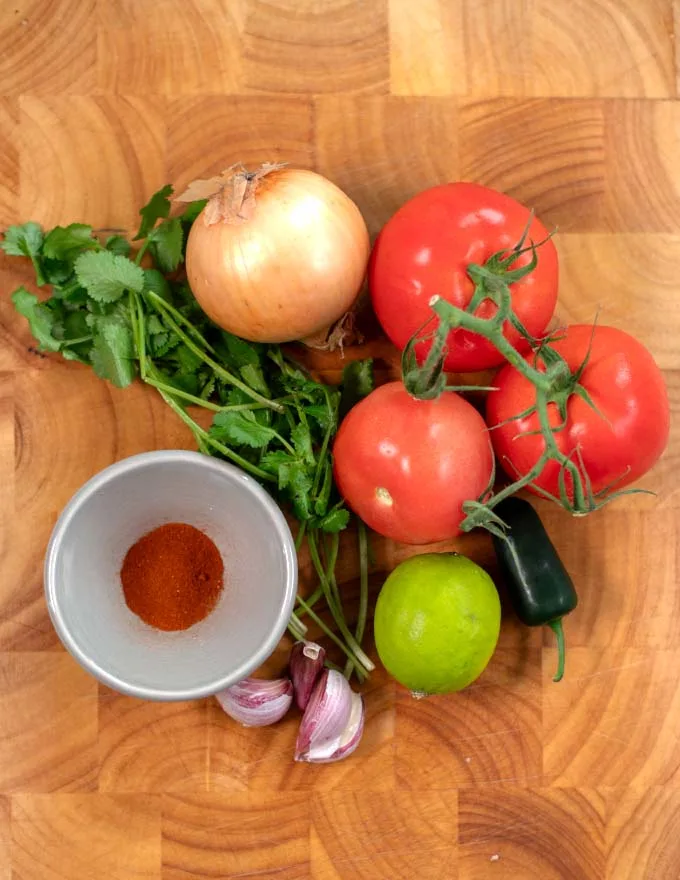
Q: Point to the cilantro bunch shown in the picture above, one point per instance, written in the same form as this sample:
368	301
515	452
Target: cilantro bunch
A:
130	314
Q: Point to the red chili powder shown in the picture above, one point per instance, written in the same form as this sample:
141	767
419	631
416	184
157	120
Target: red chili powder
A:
172	577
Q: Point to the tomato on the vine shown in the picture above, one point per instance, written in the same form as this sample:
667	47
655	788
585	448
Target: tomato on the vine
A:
425	249
615	438
406	466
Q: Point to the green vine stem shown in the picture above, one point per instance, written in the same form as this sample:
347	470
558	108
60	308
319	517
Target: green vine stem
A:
554	384
551	377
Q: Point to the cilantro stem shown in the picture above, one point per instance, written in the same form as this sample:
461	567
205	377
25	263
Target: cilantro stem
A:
332	424
332	636
360	658
66	342
201	401
299	626
201	433
299	538
314	598
331	562
363	589
217	368
142	251
180	318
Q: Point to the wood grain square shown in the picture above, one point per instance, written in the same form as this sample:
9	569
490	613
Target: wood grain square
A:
87	836
498	38
427	49
5	839
169	47
311	47
152	747
400	836
368	147
9	161
261	759
531	834
626	576
631	279
61	756
6	459
487	733
248	130
226	836
92	159
569	57
609	722
643	834
548	154
642	140
48	48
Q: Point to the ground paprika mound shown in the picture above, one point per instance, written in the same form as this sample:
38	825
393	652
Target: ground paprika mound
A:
172	576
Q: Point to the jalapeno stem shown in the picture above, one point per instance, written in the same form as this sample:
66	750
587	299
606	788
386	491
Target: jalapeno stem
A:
557	628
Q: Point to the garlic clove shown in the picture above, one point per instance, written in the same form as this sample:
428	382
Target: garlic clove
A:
352	734
333	721
306	663
256	702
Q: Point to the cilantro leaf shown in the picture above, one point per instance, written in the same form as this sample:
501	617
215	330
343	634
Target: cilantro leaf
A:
208	388
76	336
155	282
154	325
357	383
185	382
241	428
299	487
320	413
324	493
302	441
107	276
157	208
192	210
188	361
252	375
25	241
117	244
335	520
113	351
62	242
278	462
166	244
57	272
40	318
241	351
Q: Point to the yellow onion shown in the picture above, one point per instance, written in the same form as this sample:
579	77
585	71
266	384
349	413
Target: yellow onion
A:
277	254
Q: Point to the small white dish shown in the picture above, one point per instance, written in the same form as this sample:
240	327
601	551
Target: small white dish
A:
127	500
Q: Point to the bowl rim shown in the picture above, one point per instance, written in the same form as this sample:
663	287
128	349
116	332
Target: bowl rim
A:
99	481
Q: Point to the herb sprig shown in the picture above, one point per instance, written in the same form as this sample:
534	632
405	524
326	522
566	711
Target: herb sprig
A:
132	314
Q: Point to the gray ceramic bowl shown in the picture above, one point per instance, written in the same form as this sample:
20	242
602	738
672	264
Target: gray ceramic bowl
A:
123	502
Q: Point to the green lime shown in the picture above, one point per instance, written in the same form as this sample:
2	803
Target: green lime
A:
436	622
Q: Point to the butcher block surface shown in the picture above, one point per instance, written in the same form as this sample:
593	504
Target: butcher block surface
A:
572	108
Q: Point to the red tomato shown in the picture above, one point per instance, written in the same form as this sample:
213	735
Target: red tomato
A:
406	466
426	248
619	445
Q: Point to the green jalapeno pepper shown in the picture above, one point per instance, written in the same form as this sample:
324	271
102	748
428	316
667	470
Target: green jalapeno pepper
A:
539	586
